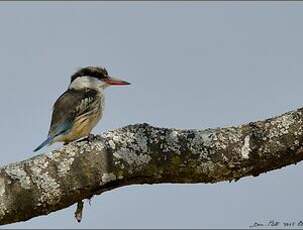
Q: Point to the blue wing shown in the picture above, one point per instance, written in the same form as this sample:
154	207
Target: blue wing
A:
61	129
68	106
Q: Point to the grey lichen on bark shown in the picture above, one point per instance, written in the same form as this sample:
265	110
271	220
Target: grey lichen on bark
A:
140	154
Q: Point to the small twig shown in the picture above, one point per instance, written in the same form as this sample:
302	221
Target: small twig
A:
79	210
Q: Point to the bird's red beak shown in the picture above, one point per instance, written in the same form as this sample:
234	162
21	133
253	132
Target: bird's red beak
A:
115	81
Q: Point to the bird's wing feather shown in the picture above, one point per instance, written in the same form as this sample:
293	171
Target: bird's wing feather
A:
70	105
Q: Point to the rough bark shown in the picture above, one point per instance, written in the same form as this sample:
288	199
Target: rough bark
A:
138	154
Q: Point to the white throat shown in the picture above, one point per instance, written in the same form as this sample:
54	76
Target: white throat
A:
88	82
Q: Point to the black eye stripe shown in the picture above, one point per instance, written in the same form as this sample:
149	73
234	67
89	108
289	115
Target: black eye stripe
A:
95	72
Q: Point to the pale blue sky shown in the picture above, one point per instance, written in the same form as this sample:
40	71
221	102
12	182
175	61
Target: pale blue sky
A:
191	65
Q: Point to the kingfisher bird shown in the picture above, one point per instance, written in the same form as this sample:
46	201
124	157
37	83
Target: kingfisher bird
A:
77	111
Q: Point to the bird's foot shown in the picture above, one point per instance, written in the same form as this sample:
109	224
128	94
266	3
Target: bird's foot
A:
90	137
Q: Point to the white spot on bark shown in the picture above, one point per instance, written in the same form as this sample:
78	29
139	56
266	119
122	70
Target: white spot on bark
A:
206	168
245	148
50	189
65	158
202	139
49	186
71	150
281	125
2	187
141	143
132	158
98	146
3	207
16	172
64	166
112	144
107	177
171	144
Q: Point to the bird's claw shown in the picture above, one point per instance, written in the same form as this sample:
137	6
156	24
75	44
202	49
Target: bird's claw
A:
90	137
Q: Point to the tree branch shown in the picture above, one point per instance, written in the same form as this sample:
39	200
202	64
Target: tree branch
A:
138	154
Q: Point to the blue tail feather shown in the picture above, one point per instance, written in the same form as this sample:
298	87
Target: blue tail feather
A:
46	142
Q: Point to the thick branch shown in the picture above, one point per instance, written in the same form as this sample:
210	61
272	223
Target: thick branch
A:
138	154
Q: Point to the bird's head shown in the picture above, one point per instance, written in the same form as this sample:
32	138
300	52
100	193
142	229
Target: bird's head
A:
93	77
